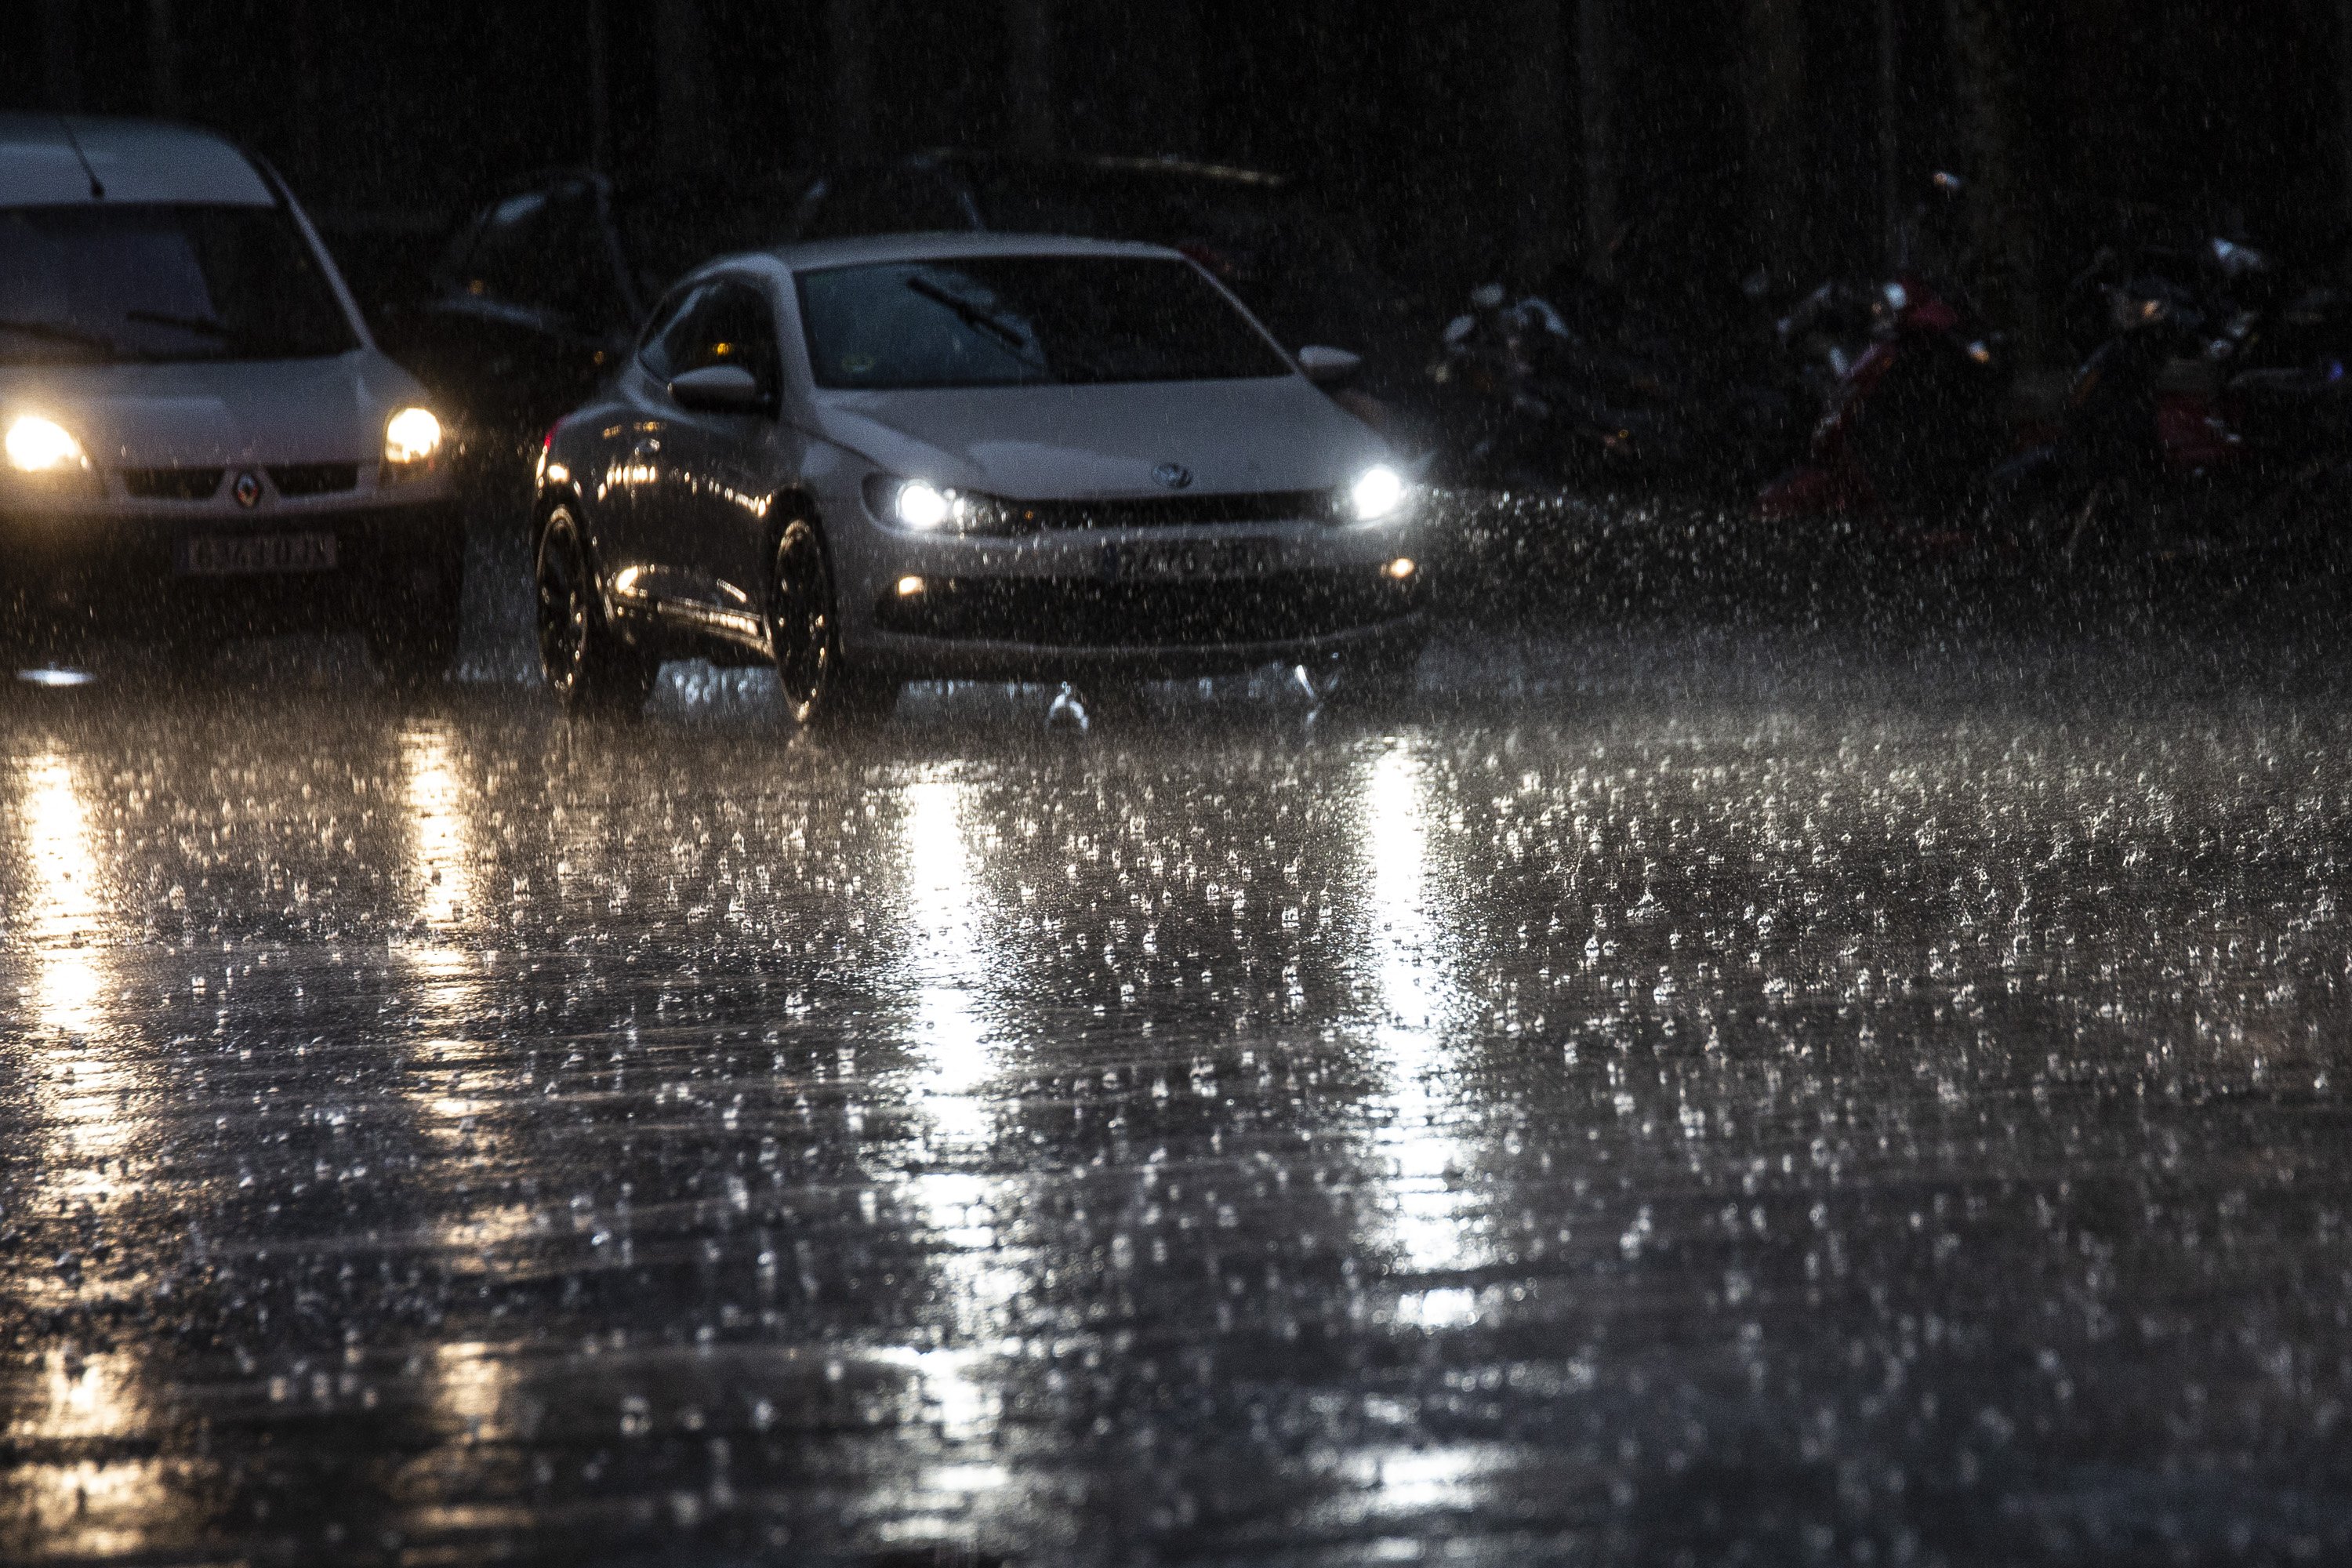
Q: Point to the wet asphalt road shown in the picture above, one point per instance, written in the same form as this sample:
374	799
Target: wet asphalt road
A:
1667	1093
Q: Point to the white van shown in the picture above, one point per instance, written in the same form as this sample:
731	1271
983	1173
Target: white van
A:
198	439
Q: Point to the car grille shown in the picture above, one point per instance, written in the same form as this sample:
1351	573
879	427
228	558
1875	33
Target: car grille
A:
1174	512
1061	612
298	481
173	484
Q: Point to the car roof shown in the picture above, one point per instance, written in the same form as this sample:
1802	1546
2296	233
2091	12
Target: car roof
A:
133	160
950	244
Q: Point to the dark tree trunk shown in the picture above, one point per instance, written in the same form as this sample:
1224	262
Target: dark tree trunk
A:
683	81
1535	63
850	43
302	41
1773	82
600	88
1891	180
1596	50
2343	100
1029	75
61	69
1995	131
163	60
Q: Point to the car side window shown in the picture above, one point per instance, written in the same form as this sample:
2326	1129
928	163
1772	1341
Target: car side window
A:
667	344
546	249
721	321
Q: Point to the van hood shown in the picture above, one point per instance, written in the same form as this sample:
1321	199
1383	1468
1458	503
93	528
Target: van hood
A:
1072	443
208	414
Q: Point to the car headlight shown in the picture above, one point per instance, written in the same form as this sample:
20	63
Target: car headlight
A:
38	446
411	437
1377	494
920	507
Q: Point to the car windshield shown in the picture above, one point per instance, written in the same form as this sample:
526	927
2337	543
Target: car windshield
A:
1026	320
107	284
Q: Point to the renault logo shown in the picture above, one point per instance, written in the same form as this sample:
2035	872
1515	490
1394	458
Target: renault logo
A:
246	489
1171	476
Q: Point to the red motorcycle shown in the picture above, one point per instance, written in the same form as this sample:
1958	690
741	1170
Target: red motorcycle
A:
1916	420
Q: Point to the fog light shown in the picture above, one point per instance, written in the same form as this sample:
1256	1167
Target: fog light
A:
1401	568
909	586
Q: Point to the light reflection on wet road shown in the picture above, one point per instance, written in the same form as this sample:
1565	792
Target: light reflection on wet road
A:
1873	1105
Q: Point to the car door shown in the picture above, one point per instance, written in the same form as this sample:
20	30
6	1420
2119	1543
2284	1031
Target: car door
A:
700	514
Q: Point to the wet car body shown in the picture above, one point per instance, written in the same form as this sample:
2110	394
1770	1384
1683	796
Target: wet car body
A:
1167	527
539	292
202	434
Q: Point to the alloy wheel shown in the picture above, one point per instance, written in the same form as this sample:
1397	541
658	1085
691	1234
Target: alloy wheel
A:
801	620
564	607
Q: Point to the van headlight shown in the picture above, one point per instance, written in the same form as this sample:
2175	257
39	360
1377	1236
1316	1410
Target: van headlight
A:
38	446
412	439
1379	492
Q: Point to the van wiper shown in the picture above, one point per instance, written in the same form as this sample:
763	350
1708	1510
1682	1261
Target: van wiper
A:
998	327
54	332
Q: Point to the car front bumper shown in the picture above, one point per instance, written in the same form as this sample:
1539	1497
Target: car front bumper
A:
1014	628
1167	601
130	573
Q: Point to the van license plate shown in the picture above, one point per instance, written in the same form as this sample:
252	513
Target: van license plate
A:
254	554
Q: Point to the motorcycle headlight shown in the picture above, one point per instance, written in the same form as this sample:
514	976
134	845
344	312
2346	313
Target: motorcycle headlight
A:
38	446
1378	493
412	438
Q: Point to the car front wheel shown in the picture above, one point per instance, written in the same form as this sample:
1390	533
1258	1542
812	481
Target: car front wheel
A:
588	667
821	691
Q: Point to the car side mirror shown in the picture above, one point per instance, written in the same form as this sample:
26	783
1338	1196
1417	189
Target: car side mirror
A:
1329	367
720	389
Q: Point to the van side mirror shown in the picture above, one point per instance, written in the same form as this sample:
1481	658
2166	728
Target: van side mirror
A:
1329	367
721	389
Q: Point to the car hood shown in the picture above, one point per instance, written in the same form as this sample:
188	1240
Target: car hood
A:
1066	443
203	414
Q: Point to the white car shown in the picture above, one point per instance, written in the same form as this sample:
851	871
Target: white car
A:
959	455
197	436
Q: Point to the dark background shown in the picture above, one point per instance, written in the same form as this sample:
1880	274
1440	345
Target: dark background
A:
1679	143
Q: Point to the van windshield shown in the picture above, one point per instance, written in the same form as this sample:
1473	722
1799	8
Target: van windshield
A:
151	283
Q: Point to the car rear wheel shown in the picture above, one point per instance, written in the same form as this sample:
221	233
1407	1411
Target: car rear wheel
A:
588	667
821	691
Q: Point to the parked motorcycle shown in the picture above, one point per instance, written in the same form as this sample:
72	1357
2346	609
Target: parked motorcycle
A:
2206	427
1913	423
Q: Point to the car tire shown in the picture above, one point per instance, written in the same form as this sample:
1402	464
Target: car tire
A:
821	690
588	667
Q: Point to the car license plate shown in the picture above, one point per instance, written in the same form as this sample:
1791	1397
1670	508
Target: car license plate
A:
1185	563
254	554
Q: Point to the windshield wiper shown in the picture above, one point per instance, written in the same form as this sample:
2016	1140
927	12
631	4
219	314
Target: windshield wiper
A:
204	326
995	325
56	333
